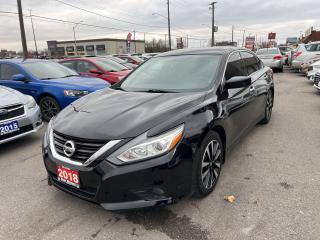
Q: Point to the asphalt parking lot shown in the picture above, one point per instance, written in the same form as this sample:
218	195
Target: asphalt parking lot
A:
273	173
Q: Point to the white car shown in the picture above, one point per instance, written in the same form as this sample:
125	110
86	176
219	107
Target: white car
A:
304	54
312	70
19	115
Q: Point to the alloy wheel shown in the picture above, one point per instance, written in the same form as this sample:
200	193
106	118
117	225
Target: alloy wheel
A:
49	108
269	105
211	164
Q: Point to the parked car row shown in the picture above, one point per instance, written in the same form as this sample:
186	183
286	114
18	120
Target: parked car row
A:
155	136
305	55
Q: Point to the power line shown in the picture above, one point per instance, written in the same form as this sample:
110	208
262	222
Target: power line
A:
116	19
104	16
56	20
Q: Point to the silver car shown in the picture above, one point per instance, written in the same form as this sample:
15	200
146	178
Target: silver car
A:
19	115
271	57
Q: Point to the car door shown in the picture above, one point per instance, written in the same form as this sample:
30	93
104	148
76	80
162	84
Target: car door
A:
237	103
84	68
7	71
259	87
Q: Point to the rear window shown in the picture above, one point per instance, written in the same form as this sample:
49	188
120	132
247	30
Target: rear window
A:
313	47
265	51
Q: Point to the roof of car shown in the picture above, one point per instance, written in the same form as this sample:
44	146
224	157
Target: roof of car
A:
211	50
21	60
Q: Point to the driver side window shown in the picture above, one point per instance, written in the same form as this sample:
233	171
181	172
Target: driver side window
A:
234	67
7	71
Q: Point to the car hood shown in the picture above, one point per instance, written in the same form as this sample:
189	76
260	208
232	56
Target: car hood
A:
79	82
10	96
113	114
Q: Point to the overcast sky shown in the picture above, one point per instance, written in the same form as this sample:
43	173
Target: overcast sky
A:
189	17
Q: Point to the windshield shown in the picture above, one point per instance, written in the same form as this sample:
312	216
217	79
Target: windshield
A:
184	73
268	51
313	47
110	65
48	70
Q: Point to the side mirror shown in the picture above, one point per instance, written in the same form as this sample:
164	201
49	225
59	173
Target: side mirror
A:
238	82
19	77
96	71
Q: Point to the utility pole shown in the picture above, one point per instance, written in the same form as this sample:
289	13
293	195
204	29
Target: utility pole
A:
165	41
75	40
74	36
169	27
34	36
23	33
144	40
232	34
213	28
244	32
134	39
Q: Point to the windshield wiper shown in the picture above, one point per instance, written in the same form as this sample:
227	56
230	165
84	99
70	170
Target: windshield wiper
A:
71	75
49	78
158	91
119	88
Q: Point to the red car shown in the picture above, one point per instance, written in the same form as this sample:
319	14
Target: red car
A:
103	68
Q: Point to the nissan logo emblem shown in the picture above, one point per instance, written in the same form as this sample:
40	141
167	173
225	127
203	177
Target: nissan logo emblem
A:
69	148
3	112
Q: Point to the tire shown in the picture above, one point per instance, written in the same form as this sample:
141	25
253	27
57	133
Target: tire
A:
281	69
268	108
49	107
208	168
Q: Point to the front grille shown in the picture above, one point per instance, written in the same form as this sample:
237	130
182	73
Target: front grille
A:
84	148
12	111
317	79
22	130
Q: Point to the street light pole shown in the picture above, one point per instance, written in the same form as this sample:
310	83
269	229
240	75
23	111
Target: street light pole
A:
22	31
74	37
169	27
212	7
34	36
244	32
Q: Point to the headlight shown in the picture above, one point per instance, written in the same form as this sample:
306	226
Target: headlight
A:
153	147
75	93
31	103
46	142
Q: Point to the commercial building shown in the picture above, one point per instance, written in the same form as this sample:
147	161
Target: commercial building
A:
103	46
311	35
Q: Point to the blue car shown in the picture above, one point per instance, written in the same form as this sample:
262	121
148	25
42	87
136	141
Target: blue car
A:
52	85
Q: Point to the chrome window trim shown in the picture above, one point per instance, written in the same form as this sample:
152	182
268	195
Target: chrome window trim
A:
222	82
97	154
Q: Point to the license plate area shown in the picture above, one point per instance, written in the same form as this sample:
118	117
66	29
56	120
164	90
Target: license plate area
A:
9	127
68	176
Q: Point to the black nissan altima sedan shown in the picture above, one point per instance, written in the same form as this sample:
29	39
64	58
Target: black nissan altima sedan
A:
163	132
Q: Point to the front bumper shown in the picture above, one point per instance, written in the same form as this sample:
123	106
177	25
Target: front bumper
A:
296	64
29	123
274	64
157	182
